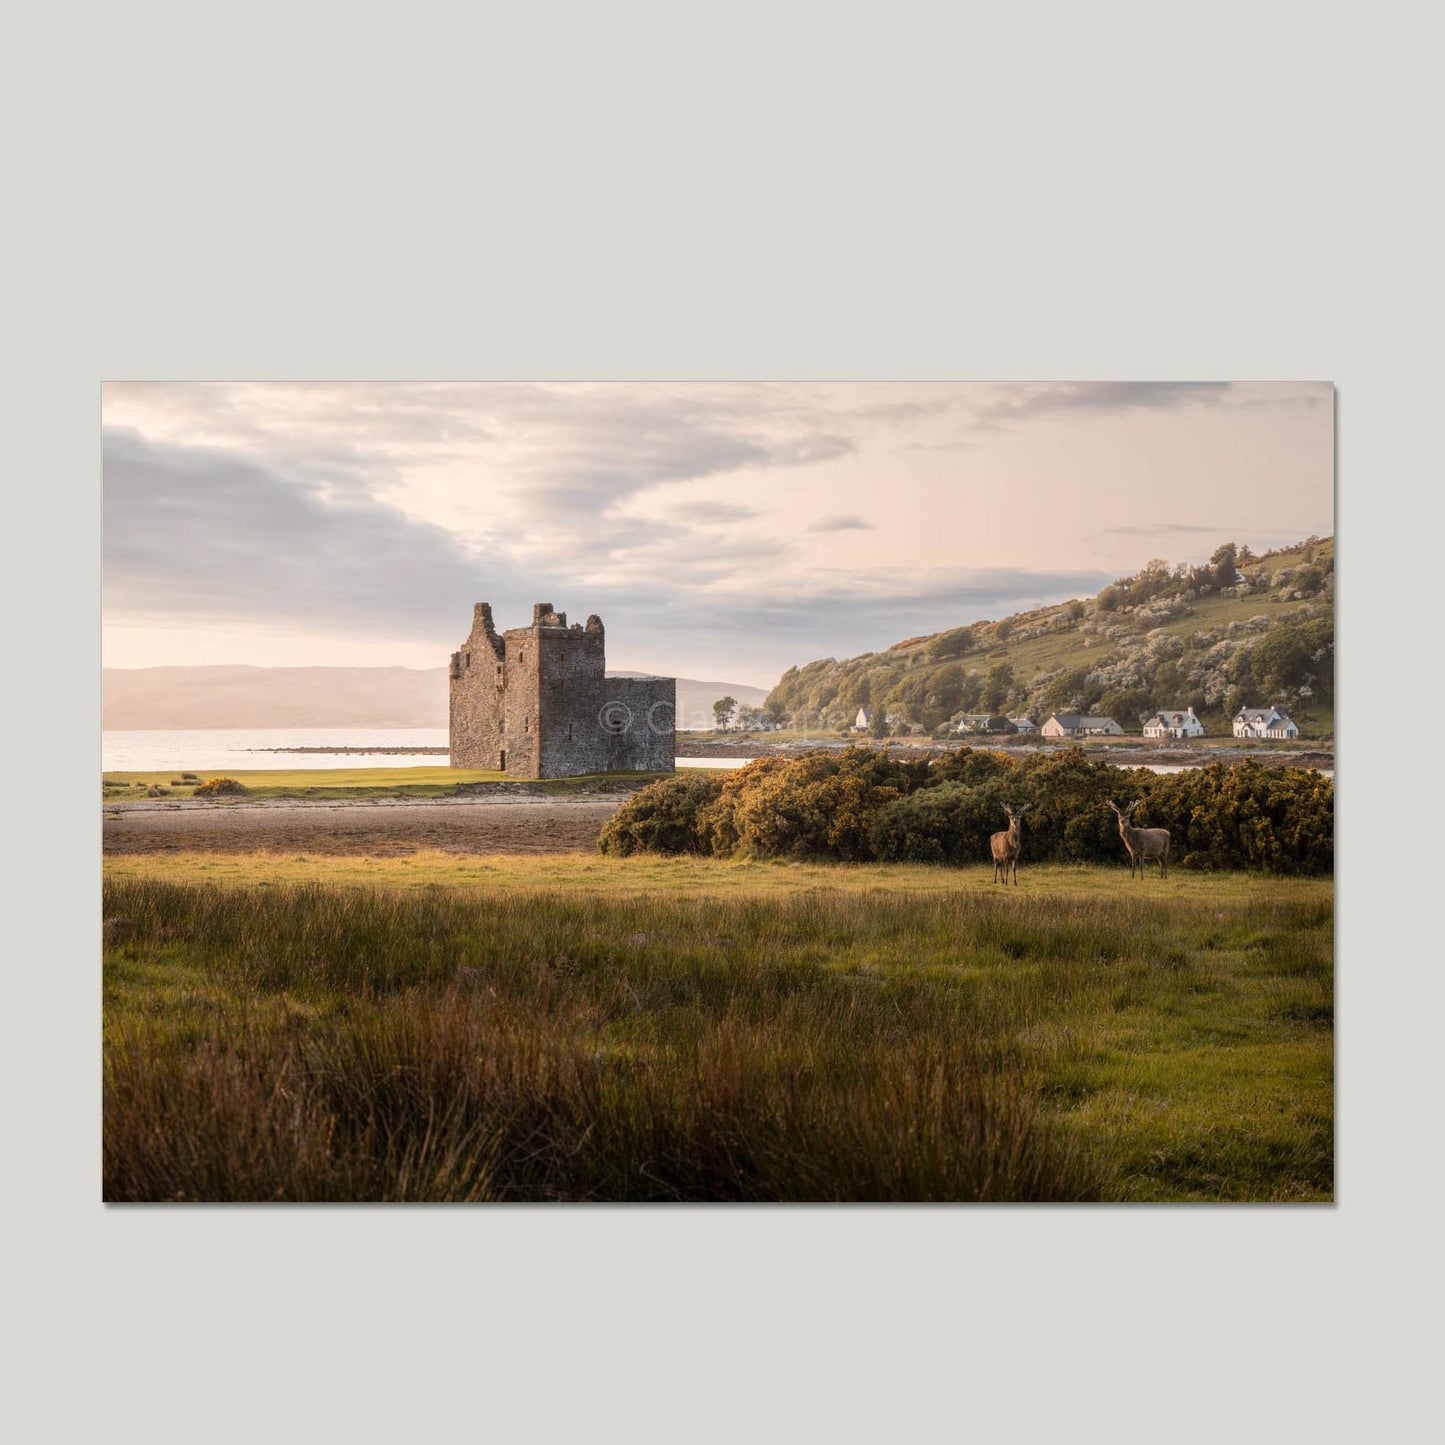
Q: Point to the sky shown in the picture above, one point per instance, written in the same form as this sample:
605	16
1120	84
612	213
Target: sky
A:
721	531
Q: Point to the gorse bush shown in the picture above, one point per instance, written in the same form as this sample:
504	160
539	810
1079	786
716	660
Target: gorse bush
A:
663	817
862	805
221	788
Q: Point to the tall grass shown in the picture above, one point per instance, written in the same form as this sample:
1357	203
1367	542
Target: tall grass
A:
309	1042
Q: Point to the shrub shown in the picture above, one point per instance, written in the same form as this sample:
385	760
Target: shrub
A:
1279	819
816	805
221	788
950	823
862	804
662	817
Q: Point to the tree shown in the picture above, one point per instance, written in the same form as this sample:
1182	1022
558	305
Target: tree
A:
722	711
1069	691
878	723
1225	562
948	645
997	686
777	713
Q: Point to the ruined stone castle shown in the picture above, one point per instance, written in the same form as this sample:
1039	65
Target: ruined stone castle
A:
536	702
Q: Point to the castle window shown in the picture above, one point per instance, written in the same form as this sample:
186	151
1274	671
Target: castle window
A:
526	723
499	674
569	732
503	727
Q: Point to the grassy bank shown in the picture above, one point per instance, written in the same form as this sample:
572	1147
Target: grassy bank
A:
441	1028
341	783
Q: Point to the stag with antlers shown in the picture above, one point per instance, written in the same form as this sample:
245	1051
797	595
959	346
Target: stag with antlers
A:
1142	843
1006	845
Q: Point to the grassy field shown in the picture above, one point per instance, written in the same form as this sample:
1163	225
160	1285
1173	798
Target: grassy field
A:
435	1027
400	782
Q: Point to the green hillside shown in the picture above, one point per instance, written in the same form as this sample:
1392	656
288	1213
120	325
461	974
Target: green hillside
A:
1165	637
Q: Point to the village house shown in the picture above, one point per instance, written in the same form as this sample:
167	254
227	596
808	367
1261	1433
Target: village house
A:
1174	724
971	722
1264	722
1024	724
1079	725
982	723
864	720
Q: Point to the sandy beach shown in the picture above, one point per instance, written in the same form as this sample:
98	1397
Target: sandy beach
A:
378	826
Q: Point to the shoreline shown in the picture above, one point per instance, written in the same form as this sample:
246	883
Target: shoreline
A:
1118	754
416	752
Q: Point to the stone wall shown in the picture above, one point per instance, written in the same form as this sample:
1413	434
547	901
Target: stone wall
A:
476	695
646	710
536	702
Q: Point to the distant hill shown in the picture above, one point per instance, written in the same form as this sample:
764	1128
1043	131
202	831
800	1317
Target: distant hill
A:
161	698
1165	637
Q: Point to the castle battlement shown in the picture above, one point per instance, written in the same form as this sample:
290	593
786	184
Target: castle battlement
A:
536	702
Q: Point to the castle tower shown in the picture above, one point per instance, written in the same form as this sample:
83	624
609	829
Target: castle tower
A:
536	702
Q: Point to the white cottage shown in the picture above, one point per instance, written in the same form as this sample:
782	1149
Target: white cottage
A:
1079	725
1264	722
1172	723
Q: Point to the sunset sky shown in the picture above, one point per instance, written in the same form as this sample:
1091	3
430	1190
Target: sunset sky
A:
722	531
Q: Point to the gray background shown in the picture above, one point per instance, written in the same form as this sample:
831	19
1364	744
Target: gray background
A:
781	191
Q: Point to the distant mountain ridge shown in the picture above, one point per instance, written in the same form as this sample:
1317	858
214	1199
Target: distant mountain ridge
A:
236	696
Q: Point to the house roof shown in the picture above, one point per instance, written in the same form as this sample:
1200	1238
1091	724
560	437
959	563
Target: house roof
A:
1261	714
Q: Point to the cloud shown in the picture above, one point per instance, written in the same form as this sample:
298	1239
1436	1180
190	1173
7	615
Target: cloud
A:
1162	529
709	512
386	510
551	477
205	534
1026	400
200	532
841	522
836	613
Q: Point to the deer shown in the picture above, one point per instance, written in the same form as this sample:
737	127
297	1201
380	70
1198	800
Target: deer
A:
1142	843
1006	845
